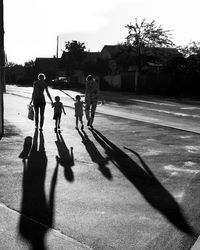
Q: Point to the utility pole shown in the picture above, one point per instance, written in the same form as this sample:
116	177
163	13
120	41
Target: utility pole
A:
57	57
2	68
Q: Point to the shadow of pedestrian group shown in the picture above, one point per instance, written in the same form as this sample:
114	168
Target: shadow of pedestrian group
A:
147	184
37	210
65	158
95	155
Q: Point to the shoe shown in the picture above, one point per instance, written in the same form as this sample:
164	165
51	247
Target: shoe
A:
55	130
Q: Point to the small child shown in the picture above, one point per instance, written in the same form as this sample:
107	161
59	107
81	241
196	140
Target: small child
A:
79	111
58	109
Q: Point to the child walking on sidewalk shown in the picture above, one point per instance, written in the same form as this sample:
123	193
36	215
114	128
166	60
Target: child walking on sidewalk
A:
79	111
58	109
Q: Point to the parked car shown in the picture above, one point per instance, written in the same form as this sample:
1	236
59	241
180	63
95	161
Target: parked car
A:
60	82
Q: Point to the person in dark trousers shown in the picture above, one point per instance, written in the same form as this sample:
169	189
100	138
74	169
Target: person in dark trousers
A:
91	99
58	109
38	99
79	111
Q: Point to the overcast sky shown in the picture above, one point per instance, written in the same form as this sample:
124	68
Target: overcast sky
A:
31	26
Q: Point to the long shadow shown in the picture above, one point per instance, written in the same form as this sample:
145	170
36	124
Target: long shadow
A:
37	210
65	158
146	183
95	155
26	148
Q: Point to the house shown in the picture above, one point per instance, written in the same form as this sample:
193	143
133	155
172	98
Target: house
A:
48	66
65	60
109	51
163	54
71	67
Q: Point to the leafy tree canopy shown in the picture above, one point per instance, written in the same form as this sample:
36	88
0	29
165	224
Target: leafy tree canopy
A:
29	64
193	48
75	49
147	34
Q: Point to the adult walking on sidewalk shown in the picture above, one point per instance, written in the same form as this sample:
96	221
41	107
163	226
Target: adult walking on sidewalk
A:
91	98
38	99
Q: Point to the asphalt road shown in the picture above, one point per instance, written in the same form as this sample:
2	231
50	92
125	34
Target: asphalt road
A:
129	184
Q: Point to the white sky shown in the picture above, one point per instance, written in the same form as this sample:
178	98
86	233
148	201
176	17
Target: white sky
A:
31	26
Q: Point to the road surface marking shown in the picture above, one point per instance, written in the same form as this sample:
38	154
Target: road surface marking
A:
176	169
157	103
190	108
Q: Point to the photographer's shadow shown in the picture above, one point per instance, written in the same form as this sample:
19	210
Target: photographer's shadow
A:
65	158
37	210
146	183
95	155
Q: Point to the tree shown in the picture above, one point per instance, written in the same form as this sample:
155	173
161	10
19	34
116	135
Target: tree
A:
193	48
10	64
29	64
76	54
144	35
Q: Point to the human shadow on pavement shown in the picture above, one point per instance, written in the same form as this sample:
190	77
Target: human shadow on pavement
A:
37	210
65	158
95	155
146	183
26	148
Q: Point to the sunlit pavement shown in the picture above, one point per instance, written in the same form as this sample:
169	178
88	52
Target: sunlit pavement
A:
102	195
179	114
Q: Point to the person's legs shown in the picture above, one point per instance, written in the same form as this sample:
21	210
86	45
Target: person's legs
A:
81	121
55	123
36	108
93	109
87	110
76	121
42	108
58	121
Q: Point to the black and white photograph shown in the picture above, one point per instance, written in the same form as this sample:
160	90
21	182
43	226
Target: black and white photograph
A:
99	125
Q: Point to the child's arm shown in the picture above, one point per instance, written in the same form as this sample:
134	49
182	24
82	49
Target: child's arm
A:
63	109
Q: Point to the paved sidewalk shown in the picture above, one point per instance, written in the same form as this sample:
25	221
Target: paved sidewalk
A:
10	239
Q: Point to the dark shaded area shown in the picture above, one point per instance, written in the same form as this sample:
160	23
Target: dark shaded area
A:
35	205
26	148
10	130
146	183
66	157
95	155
